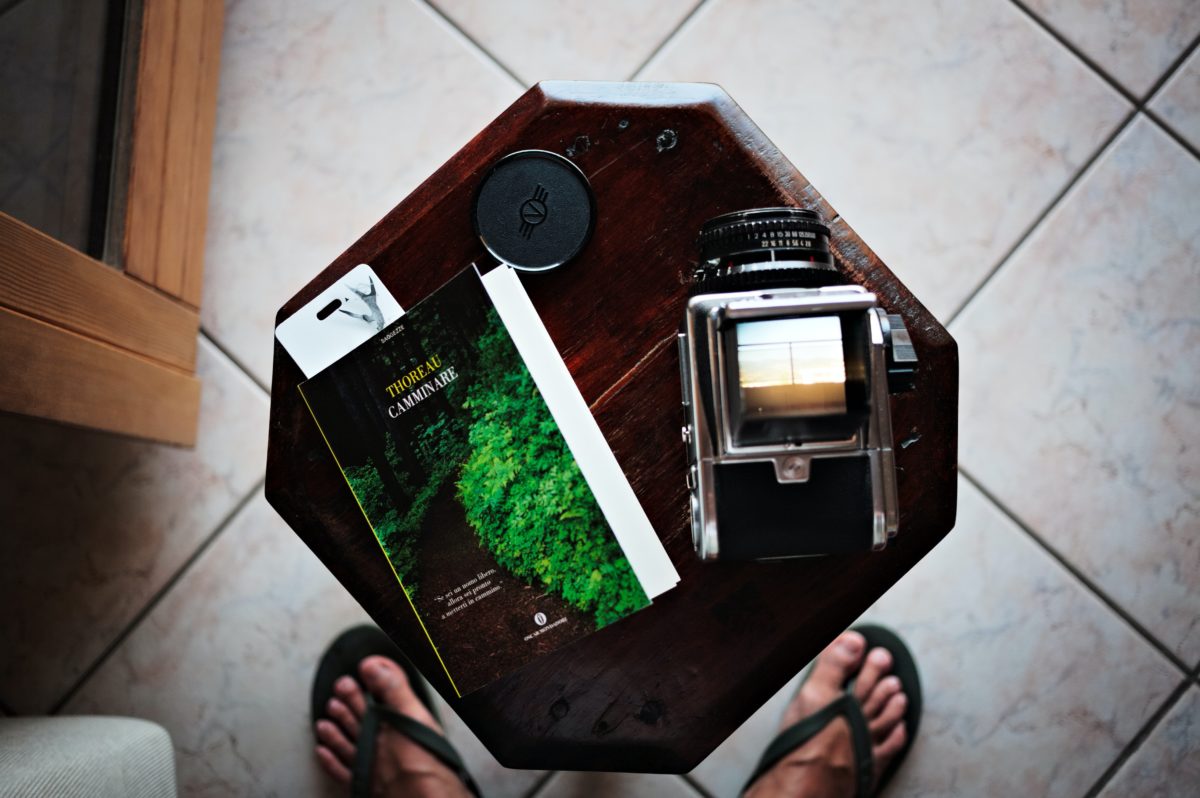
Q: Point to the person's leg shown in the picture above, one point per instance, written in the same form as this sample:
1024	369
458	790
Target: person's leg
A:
401	766
824	766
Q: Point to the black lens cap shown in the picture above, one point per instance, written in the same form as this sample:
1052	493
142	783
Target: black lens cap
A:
534	210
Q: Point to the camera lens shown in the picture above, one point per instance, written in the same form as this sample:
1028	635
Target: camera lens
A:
765	247
774	235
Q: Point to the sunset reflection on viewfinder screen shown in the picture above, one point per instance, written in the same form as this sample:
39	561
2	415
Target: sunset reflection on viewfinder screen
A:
791	367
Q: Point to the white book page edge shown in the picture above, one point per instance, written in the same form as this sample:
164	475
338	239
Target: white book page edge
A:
604	476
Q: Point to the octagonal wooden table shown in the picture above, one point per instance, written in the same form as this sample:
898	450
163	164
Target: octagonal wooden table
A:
659	690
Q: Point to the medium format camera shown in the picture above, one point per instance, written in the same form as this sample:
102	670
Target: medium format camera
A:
787	369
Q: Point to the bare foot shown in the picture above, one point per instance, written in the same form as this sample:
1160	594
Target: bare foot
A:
824	766
401	766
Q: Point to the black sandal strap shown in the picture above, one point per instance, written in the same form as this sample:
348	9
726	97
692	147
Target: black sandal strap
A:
364	755
418	732
860	739
799	733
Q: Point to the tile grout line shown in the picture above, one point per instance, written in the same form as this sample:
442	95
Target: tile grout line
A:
1136	742
666	39
482	50
540	784
1174	134
1085	580
700	789
1033	226
155	599
505	68
207	336
1167	73
1141	104
1154	115
1170	71
1086	59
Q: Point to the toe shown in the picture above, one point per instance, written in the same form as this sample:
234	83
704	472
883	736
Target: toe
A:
885	688
837	662
331	736
884	751
332	765
879	662
833	667
341	715
387	682
893	712
351	695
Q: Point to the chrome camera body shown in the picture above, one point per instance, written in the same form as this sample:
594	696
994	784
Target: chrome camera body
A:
787	371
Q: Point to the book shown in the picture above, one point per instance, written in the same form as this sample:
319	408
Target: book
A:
487	483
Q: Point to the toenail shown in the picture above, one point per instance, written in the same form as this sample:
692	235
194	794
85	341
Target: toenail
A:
344	683
880	656
851	645
891	682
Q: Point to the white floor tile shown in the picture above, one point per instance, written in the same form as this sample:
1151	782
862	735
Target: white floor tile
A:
1080	393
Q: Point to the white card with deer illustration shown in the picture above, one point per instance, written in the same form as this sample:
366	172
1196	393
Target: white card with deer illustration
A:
342	316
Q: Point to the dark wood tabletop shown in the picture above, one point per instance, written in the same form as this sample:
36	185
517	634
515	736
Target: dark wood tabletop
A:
661	689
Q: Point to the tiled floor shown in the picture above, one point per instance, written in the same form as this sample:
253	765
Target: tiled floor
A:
1031	169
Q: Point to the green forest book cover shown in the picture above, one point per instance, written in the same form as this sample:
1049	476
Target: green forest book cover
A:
470	487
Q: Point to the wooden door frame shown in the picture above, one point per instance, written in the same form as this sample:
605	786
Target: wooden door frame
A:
107	348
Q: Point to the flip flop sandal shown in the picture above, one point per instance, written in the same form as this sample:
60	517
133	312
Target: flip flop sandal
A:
342	659
791	738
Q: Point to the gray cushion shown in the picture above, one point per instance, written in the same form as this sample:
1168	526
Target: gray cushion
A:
85	756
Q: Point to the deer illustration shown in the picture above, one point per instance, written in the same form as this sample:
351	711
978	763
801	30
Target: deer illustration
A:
374	317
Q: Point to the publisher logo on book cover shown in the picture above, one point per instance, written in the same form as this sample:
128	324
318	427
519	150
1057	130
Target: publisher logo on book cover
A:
540	619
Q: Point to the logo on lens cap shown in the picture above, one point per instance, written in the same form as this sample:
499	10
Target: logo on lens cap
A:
540	619
533	211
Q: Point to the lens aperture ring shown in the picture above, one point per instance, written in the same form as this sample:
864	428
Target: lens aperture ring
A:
776	230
